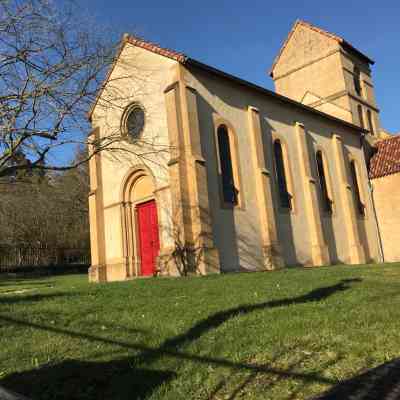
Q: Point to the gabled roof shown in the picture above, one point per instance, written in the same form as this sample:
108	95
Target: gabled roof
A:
144	44
188	61
337	38
386	160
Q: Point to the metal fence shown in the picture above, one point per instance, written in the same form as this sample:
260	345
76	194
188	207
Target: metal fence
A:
22	258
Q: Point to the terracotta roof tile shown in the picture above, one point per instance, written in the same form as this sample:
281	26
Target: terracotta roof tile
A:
155	48
386	160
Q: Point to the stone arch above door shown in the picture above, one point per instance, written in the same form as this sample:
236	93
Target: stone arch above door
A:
142	189
137	188
139	181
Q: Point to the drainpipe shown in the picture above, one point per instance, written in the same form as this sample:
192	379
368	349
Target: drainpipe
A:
371	195
378	231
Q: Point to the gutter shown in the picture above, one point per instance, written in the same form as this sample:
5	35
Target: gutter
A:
378	231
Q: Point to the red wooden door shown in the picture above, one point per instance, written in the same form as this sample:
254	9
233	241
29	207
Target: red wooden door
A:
149	243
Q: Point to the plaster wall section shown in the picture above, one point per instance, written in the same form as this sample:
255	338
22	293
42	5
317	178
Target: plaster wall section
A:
237	230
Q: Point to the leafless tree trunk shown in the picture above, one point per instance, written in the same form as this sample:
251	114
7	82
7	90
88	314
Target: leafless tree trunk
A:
185	256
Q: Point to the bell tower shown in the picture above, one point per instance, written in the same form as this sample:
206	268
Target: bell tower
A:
323	71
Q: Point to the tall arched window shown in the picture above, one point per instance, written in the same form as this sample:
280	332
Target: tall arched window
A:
356	188
357	80
281	176
229	186
370	123
323	183
360	116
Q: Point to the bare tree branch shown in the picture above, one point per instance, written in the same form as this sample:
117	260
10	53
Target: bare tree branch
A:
51	71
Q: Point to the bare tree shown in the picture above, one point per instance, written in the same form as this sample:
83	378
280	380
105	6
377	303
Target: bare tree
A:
44	217
186	255
46	209
52	66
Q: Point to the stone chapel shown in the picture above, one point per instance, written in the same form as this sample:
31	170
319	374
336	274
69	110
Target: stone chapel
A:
219	174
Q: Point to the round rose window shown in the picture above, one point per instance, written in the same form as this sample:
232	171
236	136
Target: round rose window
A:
134	121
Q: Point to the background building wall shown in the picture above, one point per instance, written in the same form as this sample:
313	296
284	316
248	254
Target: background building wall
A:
387	203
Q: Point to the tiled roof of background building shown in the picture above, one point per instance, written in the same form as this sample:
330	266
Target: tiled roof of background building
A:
386	160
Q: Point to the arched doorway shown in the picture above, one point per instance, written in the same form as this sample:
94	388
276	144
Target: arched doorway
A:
141	244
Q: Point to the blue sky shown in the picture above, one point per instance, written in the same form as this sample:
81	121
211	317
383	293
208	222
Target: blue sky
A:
244	37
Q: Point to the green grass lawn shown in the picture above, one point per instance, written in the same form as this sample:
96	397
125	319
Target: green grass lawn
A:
289	334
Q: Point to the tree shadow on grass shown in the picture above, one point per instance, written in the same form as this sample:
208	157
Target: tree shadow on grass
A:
236	385
380	383
75	379
9	298
132	378
217	319
24	282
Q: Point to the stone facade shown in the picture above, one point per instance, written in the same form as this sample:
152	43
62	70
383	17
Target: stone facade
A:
185	104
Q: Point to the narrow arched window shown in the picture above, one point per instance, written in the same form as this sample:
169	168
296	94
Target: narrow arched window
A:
370	124
323	183
357	80
360	116
281	176
356	188
229	188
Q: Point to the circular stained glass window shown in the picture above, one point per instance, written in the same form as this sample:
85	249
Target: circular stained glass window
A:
134	122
